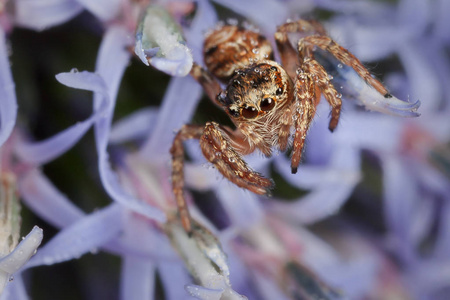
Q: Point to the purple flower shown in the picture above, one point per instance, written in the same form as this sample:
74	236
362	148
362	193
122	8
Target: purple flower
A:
244	245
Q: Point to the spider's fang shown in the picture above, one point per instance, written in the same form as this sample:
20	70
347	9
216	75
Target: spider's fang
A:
294	170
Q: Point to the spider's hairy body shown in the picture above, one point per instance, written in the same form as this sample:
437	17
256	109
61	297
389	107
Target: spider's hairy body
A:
263	98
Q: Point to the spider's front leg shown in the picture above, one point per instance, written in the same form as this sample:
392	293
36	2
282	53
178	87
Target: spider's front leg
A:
219	146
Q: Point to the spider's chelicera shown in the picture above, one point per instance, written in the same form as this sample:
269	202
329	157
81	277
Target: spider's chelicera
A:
263	99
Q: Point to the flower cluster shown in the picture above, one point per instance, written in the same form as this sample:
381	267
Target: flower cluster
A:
366	216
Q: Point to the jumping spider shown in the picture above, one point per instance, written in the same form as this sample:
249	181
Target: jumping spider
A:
262	98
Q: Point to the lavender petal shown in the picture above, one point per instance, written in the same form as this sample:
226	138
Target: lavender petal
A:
12	262
111	63
86	235
44	151
135	126
137	278
8	102
177	109
258	11
174	277
372	100
42	14
158	30
205	19
105	10
46	201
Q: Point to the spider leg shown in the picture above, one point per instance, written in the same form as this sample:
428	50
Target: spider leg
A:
323	82
217	146
307	44
210	85
288	54
307	97
186	132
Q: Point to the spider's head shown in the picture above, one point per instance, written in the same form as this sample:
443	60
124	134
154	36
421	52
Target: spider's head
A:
259	91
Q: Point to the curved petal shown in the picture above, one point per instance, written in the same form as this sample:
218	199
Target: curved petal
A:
44	151
160	42
42	14
46	201
12	262
111	63
8	102
372	100
86	235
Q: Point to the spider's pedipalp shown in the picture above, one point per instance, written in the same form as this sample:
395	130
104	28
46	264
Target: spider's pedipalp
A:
216	147
307	96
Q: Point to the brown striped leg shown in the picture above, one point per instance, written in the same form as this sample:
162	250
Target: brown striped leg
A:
208	82
304	107
186	132
285	128
216	146
325	43
288	54
327	89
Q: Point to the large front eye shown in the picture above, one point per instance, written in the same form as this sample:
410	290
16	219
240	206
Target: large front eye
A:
249	112
267	104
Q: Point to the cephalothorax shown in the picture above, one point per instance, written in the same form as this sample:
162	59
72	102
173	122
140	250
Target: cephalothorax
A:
263	99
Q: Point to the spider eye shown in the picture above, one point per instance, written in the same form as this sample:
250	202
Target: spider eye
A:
279	91
267	104
249	112
233	112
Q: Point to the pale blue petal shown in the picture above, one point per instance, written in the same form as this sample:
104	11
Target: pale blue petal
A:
44	151
422	77
15	290
86	235
242	207
258	11
134	126
177	109
442	248
329	188
174	277
8	102
105	10
137	278
372	100
442	20
159	41
42	14
205	19
12	262
141	240
415	14
400	197
42	197
112	60
203	293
